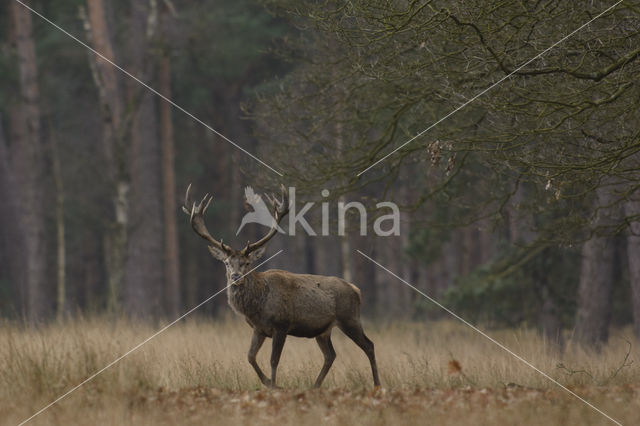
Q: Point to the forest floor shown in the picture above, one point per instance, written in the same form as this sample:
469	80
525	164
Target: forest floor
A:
196	373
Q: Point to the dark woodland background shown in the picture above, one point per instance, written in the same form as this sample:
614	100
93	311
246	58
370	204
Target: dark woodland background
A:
522	209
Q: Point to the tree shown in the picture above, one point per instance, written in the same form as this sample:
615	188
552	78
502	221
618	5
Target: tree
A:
144	278
61	244
115	127
172	298
134	242
632	210
386	82
597	276
563	125
12	250
28	164
108	143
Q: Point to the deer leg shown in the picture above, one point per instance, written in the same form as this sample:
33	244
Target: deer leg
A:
353	329
324	341
256	343
276	350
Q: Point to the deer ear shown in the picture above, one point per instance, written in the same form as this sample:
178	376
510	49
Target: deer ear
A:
217	253
257	253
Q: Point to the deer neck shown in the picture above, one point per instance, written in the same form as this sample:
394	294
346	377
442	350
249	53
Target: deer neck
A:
248	297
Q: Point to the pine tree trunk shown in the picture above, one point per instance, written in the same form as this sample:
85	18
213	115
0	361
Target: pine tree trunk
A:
60	228
11	234
172	299
115	150
144	279
27	164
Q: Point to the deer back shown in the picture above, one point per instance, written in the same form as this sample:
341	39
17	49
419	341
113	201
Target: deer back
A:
306	305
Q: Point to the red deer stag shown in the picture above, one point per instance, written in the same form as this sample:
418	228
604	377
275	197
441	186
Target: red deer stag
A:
278	303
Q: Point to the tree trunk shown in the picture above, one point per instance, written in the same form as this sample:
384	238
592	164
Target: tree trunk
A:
597	276
549	318
632	212
522	234
172	301
144	264
28	164
192	273
115	150
60	240
345	243
594	291
11	235
87	295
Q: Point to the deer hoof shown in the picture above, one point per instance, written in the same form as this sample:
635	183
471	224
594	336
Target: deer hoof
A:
377	391
272	386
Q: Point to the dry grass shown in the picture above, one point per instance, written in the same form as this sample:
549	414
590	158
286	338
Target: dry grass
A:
196	372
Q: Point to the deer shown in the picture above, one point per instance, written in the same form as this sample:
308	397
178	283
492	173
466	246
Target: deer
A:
278	303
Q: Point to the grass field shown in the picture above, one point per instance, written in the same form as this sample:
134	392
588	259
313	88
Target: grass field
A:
196	373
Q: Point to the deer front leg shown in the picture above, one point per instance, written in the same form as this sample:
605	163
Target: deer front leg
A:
256	343
276	350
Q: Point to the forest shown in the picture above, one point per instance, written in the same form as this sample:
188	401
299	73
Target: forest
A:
506	136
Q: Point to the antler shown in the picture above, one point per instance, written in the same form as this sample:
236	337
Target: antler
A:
196	218
281	208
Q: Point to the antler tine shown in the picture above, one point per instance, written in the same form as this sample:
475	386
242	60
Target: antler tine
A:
202	203
275	202
283	205
186	195
196	218
272	200
186	201
208	202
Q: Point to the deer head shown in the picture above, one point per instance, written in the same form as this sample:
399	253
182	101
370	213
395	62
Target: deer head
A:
237	262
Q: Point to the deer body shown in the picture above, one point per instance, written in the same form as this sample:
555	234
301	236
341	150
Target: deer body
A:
299	304
279	303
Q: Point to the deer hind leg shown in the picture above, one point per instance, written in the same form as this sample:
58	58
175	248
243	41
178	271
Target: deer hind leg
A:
324	341
353	330
276	350
256	343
